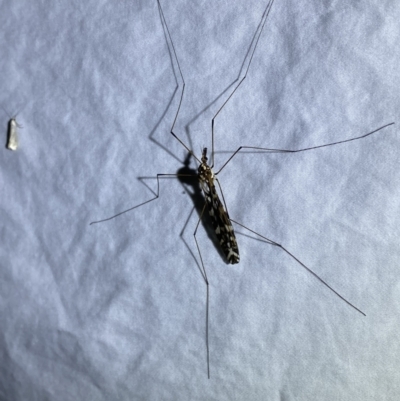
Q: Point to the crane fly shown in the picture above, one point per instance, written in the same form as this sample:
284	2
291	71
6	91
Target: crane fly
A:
210	186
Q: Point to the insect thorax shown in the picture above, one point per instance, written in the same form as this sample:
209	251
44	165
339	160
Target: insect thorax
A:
205	173
206	176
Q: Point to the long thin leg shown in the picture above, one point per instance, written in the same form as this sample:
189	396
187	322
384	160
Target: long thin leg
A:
254	42
272	150
269	241
204	274
157	194
183	85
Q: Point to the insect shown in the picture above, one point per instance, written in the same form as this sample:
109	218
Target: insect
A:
213	196
12	134
218	214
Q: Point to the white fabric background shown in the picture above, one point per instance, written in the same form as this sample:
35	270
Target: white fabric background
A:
116	311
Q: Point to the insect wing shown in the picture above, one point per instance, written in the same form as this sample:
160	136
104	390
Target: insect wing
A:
12	141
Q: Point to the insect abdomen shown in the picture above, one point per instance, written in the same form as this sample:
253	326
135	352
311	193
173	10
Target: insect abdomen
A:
222	226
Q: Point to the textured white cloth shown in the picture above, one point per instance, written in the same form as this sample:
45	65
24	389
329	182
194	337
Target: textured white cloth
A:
116	311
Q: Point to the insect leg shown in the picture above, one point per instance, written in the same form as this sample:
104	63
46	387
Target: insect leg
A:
253	44
183	84
157	194
204	274
269	241
255	149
